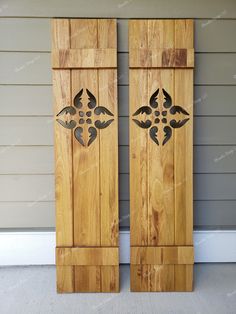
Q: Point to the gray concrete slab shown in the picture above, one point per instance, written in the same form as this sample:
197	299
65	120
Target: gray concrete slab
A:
31	290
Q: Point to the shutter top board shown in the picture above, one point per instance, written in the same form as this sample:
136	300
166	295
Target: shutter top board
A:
154	44
81	53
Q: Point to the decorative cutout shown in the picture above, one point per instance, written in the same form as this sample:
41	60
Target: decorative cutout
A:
162	116
83	121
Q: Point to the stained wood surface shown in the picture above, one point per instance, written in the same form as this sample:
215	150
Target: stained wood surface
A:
84	58
161	57
161	172
87	256
89	48
166	255
63	159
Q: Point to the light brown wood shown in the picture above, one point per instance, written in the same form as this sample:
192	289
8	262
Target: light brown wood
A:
184	142
87	256
65	279
161	57
87	59
63	158
166	255
158	58
138	144
84	58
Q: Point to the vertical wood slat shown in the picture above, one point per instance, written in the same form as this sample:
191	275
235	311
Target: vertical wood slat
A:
63	158
94	186
160	175
138	143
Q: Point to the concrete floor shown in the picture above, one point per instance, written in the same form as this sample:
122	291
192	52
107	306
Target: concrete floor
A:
30	290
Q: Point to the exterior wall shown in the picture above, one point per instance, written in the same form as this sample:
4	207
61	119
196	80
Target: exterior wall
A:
26	128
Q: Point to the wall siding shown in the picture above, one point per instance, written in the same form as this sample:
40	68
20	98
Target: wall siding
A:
26	128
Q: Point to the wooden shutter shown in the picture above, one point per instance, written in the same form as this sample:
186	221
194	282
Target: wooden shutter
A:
86	147
161	61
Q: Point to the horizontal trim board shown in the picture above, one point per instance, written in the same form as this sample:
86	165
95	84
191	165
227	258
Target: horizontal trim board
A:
212	35
35	68
38	248
166	255
80	256
84	58
123	9
161	58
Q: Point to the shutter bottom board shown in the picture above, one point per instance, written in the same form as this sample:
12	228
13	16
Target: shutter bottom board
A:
87	279
161	278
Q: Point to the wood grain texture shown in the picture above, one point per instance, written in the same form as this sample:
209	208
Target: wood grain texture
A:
87	256
63	159
161	196
183	138
138	144
161	57
85	56
166	255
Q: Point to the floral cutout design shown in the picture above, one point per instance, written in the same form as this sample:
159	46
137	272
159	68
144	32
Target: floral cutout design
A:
87	117
160	117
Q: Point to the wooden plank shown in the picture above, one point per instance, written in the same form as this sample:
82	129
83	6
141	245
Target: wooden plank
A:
87	279
183	278
183	138
138	143
81	256
85	158
65	279
161	169
108	140
63	158
109	278
84	58
165	191
150	278
161	160
184	160
161	57
169	255
109	163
